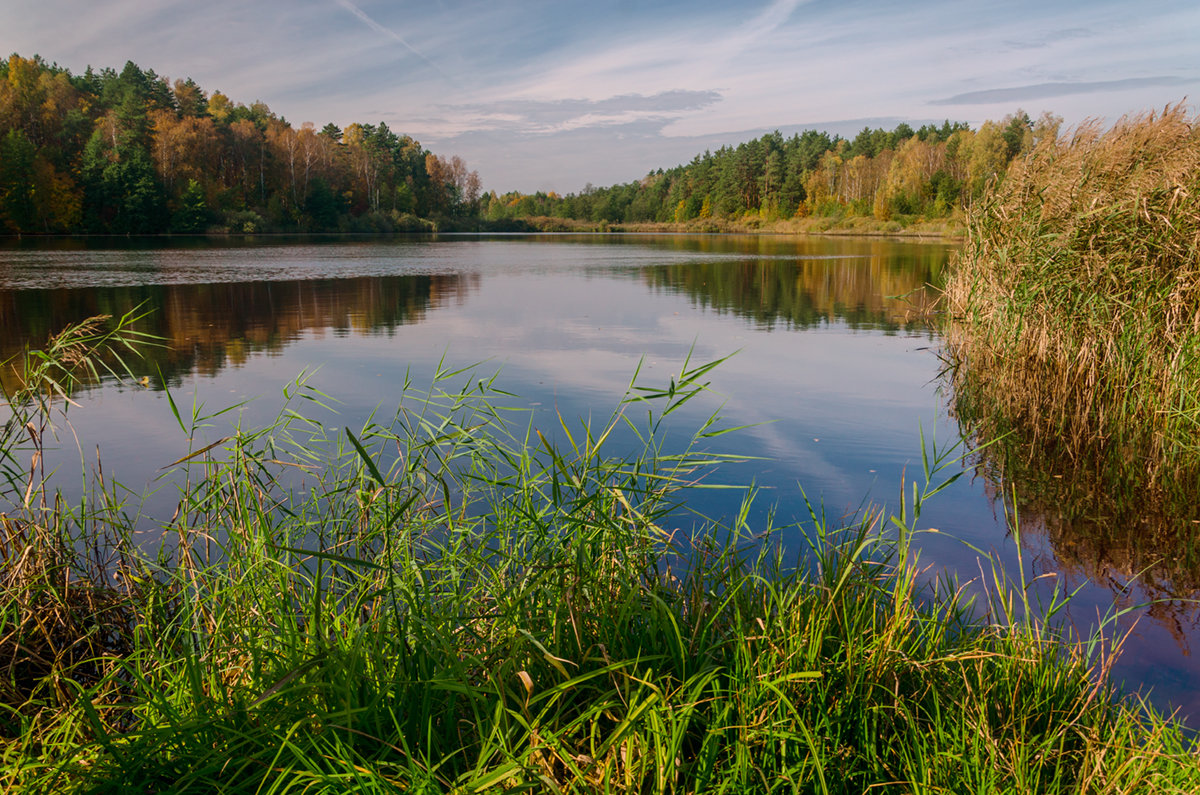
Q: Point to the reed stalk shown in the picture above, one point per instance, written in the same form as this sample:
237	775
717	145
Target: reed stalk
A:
452	600
1075	304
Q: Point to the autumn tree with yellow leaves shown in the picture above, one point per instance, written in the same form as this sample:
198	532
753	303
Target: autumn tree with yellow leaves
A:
132	152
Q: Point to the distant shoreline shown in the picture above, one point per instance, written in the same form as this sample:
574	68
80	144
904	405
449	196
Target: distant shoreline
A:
856	226
821	226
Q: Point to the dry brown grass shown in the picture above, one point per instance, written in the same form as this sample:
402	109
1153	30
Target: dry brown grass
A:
1075	303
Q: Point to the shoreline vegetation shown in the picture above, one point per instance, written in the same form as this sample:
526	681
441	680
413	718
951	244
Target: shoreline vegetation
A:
850	226
1073	331
853	226
448	601
130	152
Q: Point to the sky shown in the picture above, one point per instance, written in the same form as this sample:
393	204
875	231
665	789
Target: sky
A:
539	95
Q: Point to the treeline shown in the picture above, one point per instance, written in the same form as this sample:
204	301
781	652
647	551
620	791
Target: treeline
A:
131	152
929	172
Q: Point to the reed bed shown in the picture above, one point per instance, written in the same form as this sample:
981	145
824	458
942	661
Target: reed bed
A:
1075	303
453	601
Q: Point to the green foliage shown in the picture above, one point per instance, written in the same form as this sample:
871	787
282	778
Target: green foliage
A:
118	153
17	155
322	208
775	178
192	215
454	600
244	221
1018	134
122	193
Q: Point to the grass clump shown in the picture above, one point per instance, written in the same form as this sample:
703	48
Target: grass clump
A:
1075	304
450	601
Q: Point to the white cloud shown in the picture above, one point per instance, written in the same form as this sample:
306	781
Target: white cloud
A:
447	72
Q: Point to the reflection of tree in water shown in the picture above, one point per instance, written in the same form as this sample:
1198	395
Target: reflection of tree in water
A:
877	290
1086	516
207	327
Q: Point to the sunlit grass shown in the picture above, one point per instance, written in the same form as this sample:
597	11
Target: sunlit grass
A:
454	600
1075	303
1073	335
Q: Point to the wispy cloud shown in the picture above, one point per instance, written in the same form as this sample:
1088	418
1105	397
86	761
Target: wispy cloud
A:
1048	90
386	31
694	52
541	117
753	31
1044	40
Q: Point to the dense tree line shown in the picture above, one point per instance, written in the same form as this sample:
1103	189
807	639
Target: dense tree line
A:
131	152
928	172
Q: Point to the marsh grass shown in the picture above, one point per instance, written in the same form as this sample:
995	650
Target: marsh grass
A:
450	601
1075	302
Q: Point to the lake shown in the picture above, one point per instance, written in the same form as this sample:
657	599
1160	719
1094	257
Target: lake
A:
833	366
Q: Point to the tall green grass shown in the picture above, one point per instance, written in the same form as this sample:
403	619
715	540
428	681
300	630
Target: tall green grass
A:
453	600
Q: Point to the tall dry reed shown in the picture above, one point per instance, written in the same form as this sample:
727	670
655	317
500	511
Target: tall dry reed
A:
1075	303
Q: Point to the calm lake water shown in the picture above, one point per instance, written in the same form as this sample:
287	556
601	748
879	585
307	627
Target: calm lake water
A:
832	368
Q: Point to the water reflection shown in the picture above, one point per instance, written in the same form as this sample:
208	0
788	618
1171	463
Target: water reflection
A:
1091	515
207	327
837	409
1141	541
865	291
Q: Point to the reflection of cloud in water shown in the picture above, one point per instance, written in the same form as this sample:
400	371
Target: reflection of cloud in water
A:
566	325
566	334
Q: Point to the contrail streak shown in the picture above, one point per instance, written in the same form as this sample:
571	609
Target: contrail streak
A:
768	20
391	34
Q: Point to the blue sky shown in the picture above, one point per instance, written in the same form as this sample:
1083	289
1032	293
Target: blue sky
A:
553	95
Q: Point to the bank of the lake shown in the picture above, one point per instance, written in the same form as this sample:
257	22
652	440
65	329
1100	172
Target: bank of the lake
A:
490	611
950	229
841	223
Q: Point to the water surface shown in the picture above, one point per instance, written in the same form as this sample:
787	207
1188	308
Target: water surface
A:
832	365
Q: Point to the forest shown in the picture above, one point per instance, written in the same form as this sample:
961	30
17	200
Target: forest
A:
132	152
930	173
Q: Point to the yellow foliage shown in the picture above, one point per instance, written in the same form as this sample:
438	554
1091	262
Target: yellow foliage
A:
56	199
219	106
987	156
681	212
882	209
